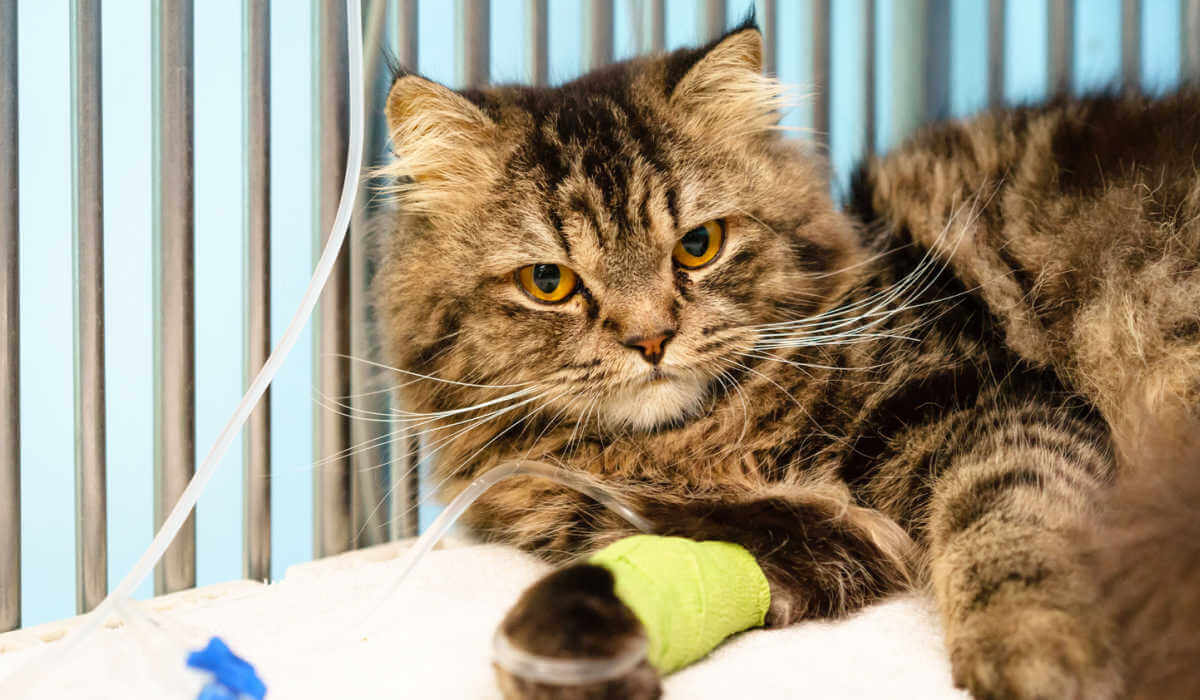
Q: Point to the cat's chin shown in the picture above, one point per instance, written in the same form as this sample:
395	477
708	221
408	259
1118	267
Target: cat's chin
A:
654	405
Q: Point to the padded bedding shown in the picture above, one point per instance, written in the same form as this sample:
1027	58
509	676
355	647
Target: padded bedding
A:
432	639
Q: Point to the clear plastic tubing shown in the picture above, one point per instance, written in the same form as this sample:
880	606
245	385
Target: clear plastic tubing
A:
522	467
22	679
556	671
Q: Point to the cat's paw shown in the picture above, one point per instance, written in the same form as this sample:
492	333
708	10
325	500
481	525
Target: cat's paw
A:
1028	653
572	614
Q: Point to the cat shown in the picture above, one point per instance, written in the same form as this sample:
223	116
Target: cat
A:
635	276
1145	552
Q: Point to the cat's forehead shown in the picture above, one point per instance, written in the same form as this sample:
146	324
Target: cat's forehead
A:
594	161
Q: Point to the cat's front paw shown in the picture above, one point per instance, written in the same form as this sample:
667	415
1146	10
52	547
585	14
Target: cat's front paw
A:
1027	653
574	614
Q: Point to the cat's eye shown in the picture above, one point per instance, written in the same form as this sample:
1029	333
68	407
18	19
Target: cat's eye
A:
547	282
700	246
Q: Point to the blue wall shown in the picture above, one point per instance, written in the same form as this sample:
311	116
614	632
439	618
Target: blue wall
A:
48	563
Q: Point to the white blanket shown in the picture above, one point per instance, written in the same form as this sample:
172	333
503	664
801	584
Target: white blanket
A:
432	640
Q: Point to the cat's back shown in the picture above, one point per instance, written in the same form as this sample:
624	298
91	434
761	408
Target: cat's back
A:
1078	224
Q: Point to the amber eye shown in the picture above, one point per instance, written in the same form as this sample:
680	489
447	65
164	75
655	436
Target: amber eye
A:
546	282
699	246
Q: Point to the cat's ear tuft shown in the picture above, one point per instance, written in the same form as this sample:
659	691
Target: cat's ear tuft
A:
444	145
725	86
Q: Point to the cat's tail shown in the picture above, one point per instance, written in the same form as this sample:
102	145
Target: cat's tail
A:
1146	553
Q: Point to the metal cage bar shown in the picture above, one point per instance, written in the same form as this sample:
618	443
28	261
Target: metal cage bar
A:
331	476
87	218
869	34
996	39
256	125
1131	43
404	451
767	21
658	25
820	69
714	19
174	313
1189	37
474	42
1062	46
406	33
537	25
10	321
369	437
599	34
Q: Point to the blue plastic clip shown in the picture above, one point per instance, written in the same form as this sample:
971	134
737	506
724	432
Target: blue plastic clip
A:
233	676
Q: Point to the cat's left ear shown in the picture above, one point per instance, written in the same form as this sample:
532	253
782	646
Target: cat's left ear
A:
723	83
445	146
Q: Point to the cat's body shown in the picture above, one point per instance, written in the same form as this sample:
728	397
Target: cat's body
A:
923	391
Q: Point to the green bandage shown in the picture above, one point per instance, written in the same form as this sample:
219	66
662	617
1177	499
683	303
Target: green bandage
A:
688	595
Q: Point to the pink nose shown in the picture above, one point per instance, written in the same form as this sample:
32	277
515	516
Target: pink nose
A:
651	346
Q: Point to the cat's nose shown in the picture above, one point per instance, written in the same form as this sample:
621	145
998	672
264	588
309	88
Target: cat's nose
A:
651	346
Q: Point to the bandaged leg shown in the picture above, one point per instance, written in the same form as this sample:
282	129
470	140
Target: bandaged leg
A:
646	605
689	596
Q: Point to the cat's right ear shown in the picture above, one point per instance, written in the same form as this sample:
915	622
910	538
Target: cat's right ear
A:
444	145
722	85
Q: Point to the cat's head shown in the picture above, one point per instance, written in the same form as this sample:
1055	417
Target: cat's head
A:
618	241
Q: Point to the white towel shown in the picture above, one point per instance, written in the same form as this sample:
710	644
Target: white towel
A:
433	640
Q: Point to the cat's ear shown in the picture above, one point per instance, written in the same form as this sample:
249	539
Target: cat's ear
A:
723	83
444	145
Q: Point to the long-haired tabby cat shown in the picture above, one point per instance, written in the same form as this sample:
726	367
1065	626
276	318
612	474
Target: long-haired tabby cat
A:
636	277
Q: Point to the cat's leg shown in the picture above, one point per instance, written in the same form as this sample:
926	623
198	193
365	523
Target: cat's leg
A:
822	557
1003	523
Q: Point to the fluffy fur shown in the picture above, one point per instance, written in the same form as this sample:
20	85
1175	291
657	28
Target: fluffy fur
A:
1146	555
923	390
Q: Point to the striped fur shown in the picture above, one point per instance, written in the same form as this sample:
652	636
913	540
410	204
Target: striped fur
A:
921	391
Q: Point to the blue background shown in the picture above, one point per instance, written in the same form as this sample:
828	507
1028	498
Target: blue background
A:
46	374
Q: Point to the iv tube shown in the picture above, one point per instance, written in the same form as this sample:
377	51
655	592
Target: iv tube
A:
557	671
521	467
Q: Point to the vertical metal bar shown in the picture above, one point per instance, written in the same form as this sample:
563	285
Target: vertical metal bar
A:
331	478
996	40
404	459
770	41
404	455
10	323
714	19
1131	43
869	39
368	492
1189	35
87	219
256	135
174	312
1062	45
820	70
658	25
474	48
537	25
406	33
600	34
